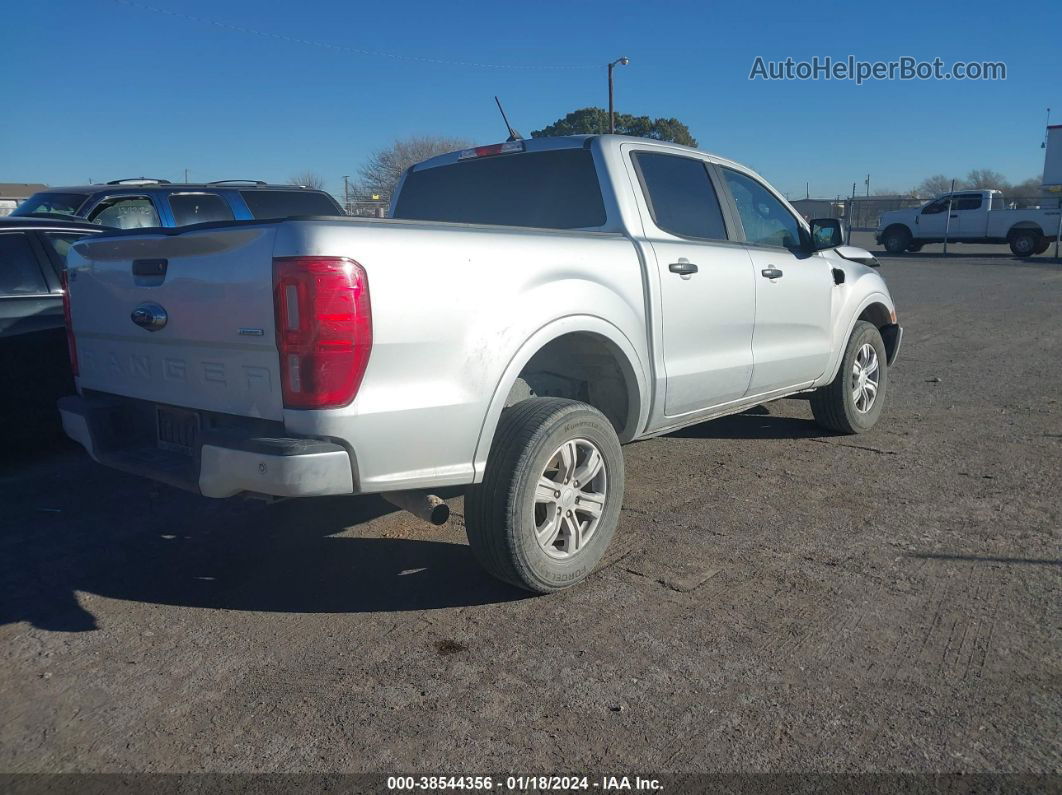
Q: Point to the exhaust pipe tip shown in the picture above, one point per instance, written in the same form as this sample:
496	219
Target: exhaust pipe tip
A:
427	507
440	514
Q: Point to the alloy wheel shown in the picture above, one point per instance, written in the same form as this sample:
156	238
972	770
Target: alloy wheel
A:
570	498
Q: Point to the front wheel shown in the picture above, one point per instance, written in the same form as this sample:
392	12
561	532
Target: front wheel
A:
551	495
896	239
852	402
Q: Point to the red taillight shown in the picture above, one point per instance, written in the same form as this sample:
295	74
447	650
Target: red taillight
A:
324	329
71	343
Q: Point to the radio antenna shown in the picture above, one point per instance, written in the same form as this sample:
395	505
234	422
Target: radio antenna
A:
513	134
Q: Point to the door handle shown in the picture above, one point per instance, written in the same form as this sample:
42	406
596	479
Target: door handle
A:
683	267
953	215
771	273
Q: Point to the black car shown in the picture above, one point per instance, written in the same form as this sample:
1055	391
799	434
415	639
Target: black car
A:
136	203
34	364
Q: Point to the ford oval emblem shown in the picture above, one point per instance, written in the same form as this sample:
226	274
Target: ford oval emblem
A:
149	316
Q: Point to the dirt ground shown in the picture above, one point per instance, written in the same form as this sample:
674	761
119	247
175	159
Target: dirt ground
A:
777	598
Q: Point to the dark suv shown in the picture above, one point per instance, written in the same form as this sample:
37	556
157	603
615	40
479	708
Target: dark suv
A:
136	203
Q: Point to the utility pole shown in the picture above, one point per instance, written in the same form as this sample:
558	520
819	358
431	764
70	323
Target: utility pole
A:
807	190
947	221
851	215
346	194
868	184
611	107
186	176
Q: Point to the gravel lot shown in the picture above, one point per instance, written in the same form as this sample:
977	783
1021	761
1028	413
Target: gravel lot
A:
777	599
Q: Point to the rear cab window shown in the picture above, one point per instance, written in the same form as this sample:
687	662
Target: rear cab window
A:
551	189
272	204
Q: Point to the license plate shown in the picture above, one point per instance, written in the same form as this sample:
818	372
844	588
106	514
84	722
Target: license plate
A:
178	430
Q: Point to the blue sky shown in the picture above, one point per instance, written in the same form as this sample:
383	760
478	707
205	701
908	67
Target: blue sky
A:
103	89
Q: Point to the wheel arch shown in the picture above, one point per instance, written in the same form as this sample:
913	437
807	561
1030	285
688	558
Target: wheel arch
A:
618	385
1025	226
896	226
885	320
876	308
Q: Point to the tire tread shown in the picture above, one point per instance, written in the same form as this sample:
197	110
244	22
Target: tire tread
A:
828	403
487	506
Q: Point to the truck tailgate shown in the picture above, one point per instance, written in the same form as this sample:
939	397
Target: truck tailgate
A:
216	349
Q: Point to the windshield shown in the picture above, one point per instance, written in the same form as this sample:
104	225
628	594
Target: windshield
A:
557	189
51	204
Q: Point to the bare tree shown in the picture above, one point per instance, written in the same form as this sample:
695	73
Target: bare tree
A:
1028	187
384	168
936	185
308	179
986	179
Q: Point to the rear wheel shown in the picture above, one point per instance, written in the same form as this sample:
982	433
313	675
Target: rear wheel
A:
896	239
1045	243
550	498
852	402
1024	244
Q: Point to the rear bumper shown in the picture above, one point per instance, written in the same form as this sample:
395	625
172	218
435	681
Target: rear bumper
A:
226	461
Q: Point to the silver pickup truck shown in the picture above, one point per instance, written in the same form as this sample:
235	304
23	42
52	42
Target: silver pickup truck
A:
530	307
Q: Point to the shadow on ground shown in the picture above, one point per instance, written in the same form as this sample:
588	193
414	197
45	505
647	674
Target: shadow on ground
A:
231	555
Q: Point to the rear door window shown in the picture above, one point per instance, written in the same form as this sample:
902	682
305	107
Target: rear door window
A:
267	204
126	212
968	201
199	208
680	195
20	273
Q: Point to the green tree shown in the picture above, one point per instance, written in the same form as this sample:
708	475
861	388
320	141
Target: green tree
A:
594	121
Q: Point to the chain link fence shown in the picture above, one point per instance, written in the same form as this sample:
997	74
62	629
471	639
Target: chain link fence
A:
862	213
367	204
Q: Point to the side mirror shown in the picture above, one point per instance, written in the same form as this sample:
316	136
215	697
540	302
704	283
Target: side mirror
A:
826	233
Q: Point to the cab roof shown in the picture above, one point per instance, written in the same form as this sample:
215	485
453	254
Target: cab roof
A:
171	187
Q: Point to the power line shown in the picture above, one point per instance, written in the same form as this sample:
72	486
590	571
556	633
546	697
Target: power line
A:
342	47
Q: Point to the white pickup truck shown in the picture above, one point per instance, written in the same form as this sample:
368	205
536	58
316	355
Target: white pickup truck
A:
969	216
531	306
